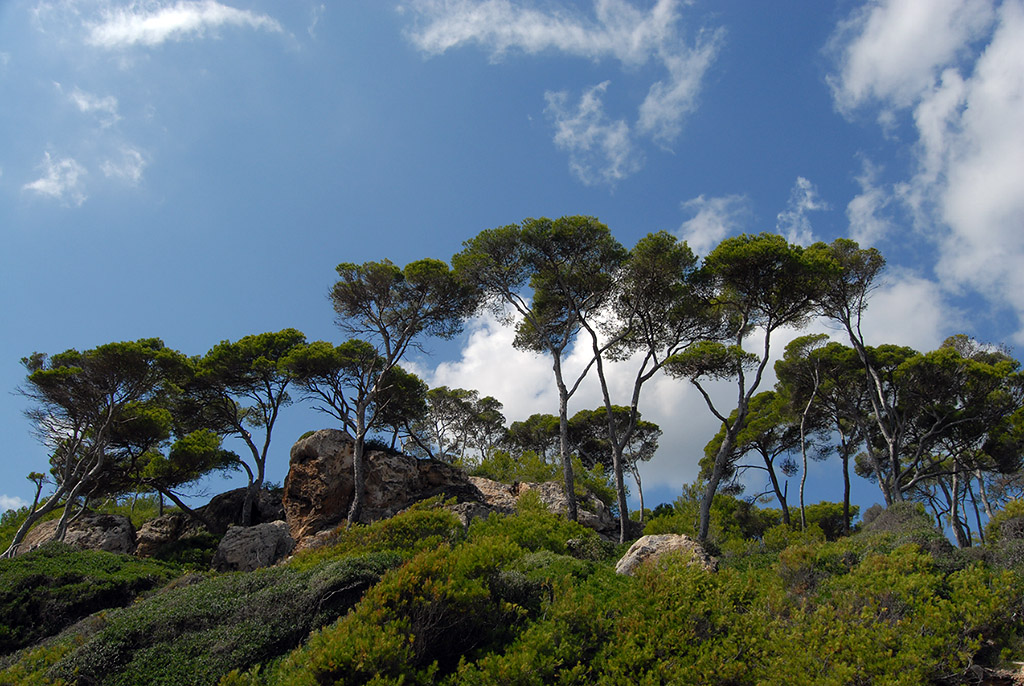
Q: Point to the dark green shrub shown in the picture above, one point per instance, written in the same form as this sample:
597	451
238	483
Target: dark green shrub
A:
197	632
194	553
52	587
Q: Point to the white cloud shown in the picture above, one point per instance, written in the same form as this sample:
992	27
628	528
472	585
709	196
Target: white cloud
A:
61	179
600	150
669	101
618	30
958	78
105	107
892	51
150	24
793	221
8	502
127	167
713	219
866	212
909	310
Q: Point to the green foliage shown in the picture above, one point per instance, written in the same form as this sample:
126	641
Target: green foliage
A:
203	628
533	527
423	526
529	467
45	590
418	622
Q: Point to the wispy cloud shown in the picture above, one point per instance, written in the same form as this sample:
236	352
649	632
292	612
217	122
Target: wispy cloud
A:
616	30
105	108
713	219
793	221
600	150
149	24
867	212
126	167
957	79
61	180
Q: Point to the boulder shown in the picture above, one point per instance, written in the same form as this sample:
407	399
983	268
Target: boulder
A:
163	531
244	549
89	531
318	489
655	546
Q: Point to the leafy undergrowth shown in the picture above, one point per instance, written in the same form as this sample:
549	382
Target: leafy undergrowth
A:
533	599
55	585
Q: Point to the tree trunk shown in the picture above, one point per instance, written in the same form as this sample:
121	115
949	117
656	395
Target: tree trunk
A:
620	493
563	441
34	515
358	469
779	495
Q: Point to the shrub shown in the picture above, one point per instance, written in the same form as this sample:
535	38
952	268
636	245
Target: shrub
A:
419	621
534	527
424	526
195	633
55	585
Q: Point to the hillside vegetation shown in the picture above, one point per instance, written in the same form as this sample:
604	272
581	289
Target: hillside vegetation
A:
530	598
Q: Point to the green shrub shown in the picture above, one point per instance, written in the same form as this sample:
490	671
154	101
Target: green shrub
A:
424	526
200	630
418	622
534	527
55	585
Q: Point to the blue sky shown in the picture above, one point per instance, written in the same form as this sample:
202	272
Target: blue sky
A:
194	170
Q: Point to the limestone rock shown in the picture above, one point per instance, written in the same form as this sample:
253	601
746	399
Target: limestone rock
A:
90	531
164	530
655	546
318	489
247	548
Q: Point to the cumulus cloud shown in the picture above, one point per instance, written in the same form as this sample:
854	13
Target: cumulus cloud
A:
61	180
8	502
713	219
793	221
150	25
600	149
892	51
910	310
127	166
617	30
956	74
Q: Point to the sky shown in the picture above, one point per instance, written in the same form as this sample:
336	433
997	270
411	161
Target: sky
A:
194	170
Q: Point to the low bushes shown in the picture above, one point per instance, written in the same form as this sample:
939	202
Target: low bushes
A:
45	590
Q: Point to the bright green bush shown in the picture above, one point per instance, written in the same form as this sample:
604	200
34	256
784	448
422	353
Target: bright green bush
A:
417	623
55	585
424	526
206	626
534	527
528	467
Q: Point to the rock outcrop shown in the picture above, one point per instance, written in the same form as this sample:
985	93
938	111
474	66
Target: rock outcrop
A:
318	490
245	548
650	548
89	531
223	511
158	533
591	512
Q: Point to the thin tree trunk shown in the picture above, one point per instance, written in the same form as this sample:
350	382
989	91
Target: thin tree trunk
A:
563	441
